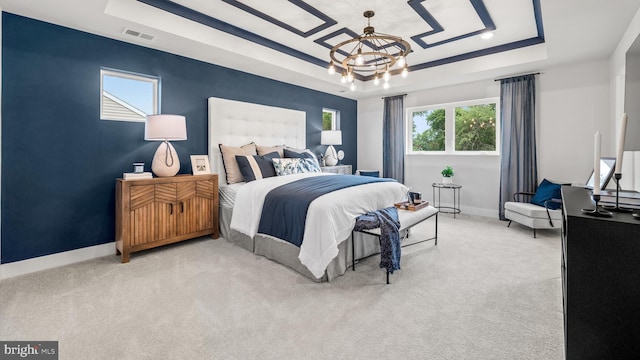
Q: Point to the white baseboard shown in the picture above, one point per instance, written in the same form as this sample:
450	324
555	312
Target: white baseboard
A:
23	267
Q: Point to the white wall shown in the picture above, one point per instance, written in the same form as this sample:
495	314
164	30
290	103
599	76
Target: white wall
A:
573	102
617	72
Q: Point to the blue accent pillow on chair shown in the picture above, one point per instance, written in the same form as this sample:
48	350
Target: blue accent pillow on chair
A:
547	191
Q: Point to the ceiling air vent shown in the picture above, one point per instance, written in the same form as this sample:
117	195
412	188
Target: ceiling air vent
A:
137	34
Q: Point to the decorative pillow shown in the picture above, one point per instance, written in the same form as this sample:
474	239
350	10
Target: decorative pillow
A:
299	150
263	150
373	173
229	160
300	154
547	191
255	167
295	166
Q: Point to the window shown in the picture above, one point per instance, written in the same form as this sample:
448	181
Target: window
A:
469	127
330	119
126	96
429	130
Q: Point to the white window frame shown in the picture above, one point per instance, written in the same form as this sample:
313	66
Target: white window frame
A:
335	118
449	127
155	82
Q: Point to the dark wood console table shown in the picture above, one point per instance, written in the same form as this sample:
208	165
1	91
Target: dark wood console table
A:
600	281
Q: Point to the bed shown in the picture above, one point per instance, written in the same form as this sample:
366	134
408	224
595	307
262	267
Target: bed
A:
324	254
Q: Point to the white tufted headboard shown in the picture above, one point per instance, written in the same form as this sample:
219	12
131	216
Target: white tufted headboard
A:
236	123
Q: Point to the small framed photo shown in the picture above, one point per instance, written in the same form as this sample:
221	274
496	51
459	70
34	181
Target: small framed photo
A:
200	164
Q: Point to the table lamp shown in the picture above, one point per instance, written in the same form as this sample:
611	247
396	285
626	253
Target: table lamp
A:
331	137
164	128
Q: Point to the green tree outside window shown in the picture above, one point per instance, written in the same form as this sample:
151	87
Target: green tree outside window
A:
432	138
476	128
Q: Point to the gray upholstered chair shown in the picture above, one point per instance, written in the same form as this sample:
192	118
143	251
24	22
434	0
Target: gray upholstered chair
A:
532	215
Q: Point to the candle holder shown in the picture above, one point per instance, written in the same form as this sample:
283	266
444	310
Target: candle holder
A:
617	208
596	211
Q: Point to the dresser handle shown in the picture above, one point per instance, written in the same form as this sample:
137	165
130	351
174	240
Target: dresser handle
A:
170	209
181	206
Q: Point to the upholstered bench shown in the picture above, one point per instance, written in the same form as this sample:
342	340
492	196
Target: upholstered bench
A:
533	216
408	219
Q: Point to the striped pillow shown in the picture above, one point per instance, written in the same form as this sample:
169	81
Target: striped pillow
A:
255	167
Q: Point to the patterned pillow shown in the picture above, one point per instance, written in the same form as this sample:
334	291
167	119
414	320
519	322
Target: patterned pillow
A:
255	167
263	150
288	166
229	160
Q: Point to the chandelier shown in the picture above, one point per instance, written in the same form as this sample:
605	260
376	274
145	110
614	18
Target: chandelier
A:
371	55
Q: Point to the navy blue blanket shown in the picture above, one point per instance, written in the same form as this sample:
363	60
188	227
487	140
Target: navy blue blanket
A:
387	220
284	212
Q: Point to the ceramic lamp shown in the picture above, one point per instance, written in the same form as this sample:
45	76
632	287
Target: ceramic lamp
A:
331	137
165	128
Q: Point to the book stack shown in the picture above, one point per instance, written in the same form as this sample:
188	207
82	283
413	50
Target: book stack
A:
137	176
626	199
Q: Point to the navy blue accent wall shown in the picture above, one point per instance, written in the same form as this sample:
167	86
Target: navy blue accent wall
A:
60	161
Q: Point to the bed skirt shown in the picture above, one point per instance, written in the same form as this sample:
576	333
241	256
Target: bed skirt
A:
286	253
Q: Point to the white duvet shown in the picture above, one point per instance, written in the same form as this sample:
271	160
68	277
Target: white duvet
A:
330	217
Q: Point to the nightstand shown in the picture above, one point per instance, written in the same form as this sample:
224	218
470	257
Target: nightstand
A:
164	210
338	169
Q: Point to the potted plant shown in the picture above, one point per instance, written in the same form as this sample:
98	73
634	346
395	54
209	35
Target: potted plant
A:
447	175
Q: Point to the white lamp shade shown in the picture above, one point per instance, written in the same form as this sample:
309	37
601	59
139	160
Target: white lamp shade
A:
165	127
331	137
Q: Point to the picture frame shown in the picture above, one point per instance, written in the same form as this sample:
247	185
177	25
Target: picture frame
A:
200	165
607	167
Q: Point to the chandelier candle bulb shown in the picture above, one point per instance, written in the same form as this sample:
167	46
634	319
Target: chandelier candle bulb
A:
405	71
401	61
620	149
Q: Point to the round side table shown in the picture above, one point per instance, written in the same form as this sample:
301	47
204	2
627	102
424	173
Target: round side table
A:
455	209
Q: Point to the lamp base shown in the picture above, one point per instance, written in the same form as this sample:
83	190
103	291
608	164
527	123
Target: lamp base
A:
330	157
165	161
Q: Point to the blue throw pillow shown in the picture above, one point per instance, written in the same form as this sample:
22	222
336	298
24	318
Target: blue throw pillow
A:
298	155
306	154
547	191
369	173
254	167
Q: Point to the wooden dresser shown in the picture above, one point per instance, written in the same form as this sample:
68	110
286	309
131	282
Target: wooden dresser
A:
160	211
600	281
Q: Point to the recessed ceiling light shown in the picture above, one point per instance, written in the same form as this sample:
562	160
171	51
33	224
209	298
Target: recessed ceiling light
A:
486	36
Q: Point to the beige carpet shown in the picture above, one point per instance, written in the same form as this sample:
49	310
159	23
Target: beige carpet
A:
485	292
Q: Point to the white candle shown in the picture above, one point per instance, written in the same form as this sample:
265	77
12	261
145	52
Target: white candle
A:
620	151
596	165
